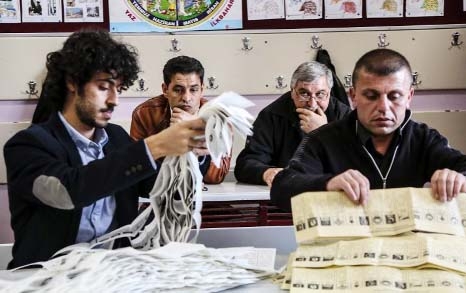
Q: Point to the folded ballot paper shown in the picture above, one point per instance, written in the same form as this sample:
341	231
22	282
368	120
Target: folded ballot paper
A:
176	267
324	216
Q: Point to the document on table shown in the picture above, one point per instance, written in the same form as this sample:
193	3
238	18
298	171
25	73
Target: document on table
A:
320	216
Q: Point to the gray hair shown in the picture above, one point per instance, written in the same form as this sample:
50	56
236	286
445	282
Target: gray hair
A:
311	71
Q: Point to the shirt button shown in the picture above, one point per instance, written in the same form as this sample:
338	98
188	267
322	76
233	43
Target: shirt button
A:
139	167
127	173
133	169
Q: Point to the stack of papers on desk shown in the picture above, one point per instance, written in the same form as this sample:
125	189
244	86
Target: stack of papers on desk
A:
176	267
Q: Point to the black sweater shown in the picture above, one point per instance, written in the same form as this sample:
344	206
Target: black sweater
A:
335	148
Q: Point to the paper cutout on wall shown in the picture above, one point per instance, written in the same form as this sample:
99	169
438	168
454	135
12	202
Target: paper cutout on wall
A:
265	9
340	9
384	8
10	12
83	11
303	9
42	10
416	8
174	15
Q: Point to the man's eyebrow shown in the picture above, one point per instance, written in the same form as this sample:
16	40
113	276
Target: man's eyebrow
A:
110	80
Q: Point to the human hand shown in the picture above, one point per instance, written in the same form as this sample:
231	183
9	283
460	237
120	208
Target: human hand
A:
355	185
270	174
447	184
179	115
178	139
311	119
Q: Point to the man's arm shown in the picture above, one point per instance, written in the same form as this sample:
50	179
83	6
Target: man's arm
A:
257	155
216	175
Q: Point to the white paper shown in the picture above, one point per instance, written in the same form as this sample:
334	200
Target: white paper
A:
303	9
384	8
84	11
340	9
265	9
10	12
417	8
41	10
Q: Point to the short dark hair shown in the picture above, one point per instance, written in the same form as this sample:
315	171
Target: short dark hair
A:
381	62
183	65
84	53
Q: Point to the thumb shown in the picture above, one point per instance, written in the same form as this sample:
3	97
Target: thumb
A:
319	111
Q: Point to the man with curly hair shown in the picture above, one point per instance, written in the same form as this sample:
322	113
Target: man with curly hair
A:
72	175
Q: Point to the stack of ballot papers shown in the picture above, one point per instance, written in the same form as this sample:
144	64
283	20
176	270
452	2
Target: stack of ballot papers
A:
176	198
176	267
380	246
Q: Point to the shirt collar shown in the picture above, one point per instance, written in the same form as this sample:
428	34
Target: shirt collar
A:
364	135
100	135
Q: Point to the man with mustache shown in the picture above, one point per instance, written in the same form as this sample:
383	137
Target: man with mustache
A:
377	145
72	175
183	87
280	127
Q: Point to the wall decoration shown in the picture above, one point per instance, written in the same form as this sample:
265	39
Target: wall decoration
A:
303	9
9	11
384	8
340	9
83	11
265	9
416	8
174	15
41	10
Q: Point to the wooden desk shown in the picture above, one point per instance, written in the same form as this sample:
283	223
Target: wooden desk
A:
232	204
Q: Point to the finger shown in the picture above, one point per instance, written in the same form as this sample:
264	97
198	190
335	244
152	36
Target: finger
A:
439	185
458	184
319	111
450	185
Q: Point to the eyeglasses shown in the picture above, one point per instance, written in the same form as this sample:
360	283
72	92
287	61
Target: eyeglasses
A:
305	96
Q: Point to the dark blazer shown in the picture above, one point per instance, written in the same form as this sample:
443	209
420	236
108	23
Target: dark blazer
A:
45	153
276	135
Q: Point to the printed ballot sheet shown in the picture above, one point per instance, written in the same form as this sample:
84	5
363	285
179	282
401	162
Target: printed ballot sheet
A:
439	251
375	279
321	216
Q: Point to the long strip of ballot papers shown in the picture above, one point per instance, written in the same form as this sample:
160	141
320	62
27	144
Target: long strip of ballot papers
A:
401	240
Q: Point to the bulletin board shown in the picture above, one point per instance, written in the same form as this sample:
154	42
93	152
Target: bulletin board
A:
453	14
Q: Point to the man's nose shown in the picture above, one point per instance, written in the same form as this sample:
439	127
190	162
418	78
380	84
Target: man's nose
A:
113	97
383	103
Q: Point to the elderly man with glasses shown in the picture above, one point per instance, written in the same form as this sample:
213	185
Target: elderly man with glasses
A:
280	127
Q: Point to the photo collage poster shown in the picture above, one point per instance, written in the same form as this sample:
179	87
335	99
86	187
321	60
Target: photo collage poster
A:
83	11
41	11
175	15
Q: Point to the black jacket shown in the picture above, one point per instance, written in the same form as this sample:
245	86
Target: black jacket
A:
335	148
47	151
276	135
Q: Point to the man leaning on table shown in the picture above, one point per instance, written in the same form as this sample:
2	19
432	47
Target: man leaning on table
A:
280	127
377	145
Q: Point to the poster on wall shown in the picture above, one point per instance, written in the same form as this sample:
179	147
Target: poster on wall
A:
384	8
175	15
303	9
265	9
341	9
41	10
83	11
417	8
9	11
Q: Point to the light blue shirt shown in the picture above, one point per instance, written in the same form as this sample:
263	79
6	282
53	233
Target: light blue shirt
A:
97	217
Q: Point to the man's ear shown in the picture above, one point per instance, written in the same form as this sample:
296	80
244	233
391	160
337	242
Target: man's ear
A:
71	86
164	88
410	98
352	95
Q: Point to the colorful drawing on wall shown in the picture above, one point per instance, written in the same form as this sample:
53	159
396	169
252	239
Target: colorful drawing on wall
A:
265	9
9	11
41	10
416	8
303	9
340	9
384	8
174	15
83	11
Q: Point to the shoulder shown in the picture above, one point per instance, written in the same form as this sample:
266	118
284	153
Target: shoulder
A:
282	106
150	104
